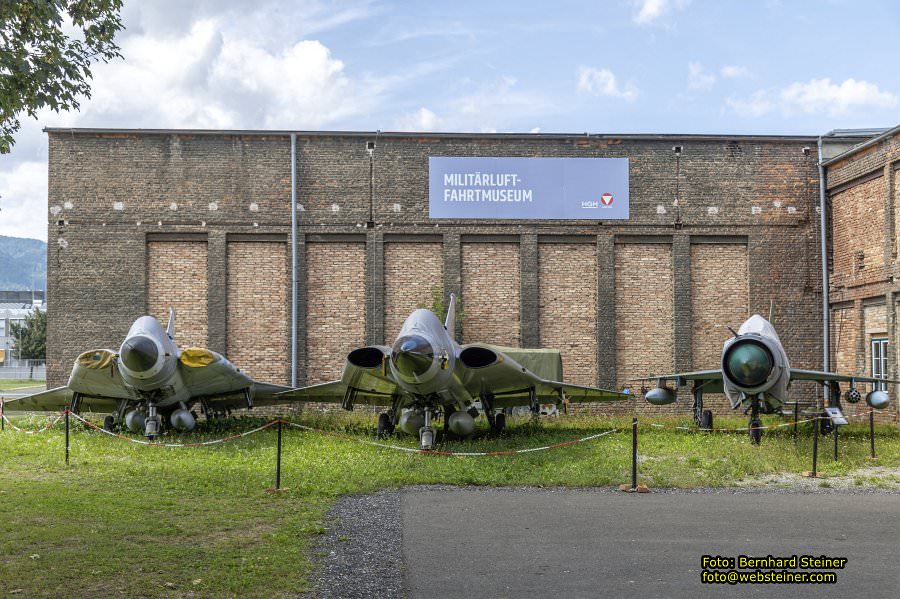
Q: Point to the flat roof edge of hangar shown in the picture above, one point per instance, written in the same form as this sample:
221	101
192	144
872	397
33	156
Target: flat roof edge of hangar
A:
433	134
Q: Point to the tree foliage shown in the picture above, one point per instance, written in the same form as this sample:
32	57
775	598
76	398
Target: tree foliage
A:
46	51
30	339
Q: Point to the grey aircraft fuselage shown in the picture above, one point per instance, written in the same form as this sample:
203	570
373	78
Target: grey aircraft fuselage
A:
754	370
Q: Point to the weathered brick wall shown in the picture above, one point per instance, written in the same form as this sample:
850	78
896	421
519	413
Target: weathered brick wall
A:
644	311
412	272
858	242
176	277
719	298
863	190
846	341
258	341
336	306
567	282
109	191
490	293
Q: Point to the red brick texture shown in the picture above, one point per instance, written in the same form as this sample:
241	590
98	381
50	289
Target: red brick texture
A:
644	312
176	277
412	273
258	284
490	293
336	306
567	279
719	298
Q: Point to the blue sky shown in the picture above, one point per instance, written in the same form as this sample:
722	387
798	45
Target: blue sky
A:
621	66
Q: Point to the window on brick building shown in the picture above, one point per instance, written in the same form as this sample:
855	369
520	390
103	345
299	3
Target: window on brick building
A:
2	327
879	361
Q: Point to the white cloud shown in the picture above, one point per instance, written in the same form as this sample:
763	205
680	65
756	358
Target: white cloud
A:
760	103
420	120
734	71
602	82
23	199
698	78
817	96
649	11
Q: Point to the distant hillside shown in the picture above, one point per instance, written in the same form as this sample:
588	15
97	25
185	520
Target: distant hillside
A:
19	258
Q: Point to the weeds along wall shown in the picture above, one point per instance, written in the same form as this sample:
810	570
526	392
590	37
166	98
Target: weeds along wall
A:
141	220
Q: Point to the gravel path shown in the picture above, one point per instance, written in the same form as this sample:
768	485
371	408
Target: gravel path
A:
361	552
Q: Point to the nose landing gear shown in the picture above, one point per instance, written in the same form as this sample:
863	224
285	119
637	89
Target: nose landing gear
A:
427	434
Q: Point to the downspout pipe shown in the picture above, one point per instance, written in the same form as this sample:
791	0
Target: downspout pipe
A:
293	259
826	312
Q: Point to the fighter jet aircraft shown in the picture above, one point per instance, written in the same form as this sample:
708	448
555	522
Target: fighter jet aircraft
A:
151	383
755	373
426	372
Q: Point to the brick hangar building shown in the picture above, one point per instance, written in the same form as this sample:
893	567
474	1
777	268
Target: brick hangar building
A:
720	227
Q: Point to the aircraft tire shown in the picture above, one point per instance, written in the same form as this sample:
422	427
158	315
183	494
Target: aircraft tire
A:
109	423
755	431
706	420
384	426
499	423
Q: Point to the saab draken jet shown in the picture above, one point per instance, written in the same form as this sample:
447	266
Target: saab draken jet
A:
426	373
151	383
755	373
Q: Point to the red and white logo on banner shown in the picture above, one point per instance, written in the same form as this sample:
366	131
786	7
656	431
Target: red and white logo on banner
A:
607	199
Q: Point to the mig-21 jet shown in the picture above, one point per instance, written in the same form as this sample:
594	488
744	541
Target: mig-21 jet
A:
754	372
150	383
426	373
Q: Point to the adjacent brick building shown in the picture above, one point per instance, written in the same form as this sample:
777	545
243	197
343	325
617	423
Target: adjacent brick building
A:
863	193
200	220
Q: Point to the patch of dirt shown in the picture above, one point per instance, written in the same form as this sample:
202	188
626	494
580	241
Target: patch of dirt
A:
871	478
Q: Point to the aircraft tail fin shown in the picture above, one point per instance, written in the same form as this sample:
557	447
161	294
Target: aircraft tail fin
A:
450	322
170	328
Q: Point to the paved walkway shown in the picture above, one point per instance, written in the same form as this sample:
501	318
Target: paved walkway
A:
473	542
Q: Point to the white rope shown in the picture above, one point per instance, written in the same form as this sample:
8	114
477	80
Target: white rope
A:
450	453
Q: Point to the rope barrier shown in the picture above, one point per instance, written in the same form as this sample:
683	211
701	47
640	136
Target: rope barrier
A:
49	425
450	453
157	444
744	429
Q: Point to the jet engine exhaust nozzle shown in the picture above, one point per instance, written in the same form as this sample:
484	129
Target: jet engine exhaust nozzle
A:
748	363
413	355
139	353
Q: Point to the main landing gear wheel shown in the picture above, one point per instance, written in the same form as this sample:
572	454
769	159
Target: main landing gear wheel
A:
706	420
755	431
385	426
826	427
109	423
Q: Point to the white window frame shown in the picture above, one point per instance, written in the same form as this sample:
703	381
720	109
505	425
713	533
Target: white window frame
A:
879	347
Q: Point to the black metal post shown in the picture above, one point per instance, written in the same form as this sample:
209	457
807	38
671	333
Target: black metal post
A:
796	416
2	414
67	437
634	433
278	462
872	431
836	427
815	444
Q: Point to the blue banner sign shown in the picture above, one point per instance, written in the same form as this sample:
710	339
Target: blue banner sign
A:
528	188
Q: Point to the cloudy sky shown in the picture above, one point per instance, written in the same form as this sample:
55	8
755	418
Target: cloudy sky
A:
618	66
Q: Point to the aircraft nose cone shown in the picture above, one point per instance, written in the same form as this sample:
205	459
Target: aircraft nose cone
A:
413	355
749	364
139	354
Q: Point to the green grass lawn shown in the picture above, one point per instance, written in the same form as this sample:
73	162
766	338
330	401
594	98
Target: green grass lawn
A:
136	521
13	384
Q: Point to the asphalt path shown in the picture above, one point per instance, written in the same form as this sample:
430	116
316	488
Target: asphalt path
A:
22	392
521	543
